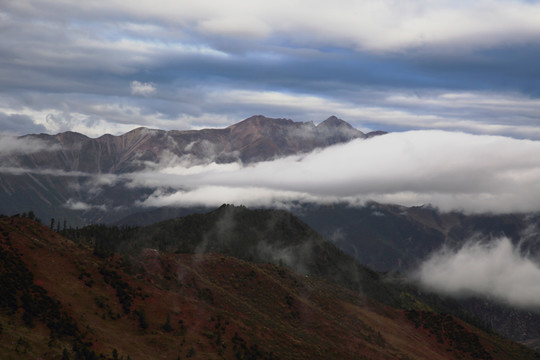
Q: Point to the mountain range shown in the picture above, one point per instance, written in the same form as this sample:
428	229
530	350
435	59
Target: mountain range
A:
52	174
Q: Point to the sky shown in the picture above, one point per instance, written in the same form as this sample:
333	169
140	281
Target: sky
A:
100	67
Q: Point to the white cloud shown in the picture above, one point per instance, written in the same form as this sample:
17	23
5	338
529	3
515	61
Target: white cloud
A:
493	268
449	170
453	171
72	57
100	179
11	145
216	195
381	25
143	89
82	206
87	118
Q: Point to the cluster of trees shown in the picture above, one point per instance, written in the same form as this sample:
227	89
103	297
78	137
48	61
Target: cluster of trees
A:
57	222
104	239
244	351
29	215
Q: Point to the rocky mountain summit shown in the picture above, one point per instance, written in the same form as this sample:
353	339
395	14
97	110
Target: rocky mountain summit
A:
257	138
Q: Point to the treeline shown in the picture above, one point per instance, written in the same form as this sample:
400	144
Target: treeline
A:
30	215
104	239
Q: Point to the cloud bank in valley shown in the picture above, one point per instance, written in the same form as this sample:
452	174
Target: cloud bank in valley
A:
450	170
495	268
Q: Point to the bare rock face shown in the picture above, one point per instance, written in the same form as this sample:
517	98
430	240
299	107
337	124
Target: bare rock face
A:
257	138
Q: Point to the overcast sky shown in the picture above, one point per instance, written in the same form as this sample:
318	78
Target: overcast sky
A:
109	66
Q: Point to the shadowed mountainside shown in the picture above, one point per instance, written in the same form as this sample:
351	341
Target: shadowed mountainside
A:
65	301
255	235
397	238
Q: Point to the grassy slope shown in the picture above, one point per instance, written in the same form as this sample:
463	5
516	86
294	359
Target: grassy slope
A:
218	307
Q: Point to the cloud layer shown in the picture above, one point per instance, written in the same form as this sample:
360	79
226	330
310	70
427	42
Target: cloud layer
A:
450	170
11	145
106	66
495	268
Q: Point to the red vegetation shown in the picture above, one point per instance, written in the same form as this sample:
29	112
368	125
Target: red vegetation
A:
169	306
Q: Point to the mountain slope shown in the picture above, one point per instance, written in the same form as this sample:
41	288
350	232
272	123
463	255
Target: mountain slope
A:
257	235
397	238
271	236
389	237
64	176
157	305
253	139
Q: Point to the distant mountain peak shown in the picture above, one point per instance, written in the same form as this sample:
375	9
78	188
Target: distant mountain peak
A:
259	121
335	122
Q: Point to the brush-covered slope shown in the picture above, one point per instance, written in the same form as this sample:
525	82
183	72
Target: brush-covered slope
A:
398	238
278	237
261	236
62	301
256	235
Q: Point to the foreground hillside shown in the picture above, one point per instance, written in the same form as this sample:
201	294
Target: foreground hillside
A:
60	300
382	237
